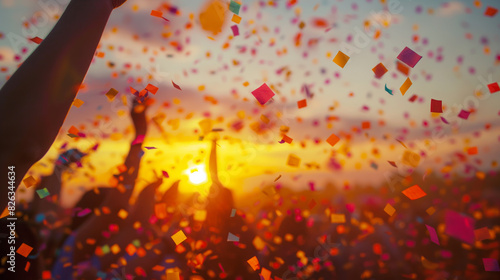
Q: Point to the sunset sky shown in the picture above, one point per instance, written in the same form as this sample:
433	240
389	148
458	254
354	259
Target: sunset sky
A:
288	46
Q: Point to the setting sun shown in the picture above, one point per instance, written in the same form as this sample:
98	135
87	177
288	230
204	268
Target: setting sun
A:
197	174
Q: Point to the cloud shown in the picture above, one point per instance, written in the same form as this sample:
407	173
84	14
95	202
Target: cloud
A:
451	8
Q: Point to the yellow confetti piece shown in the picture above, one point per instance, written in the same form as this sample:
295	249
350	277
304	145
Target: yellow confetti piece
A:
77	103
341	59
389	209
122	214
29	182
293	160
179	237
111	94
337	218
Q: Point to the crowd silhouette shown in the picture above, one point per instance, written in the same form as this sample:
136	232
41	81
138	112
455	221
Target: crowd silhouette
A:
289	233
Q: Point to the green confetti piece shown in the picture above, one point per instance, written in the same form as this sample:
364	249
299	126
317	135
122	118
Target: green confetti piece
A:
234	7
43	193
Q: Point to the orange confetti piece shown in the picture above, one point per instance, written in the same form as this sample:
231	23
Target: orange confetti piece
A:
414	192
156	13
24	250
254	263
236	19
287	139
406	85
341	59
302	103
77	103
151	88
472	151
29	182
293	160
333	139
389	209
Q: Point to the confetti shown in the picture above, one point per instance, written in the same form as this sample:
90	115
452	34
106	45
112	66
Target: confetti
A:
232	238
414	192
301	103
263	94
389	209
179	237
151	88
235	29
490	264
341	59
29	181
111	94
77	103
482	234
333	139
436	106
432	234
379	71
254	263
490	11
406	85
36	40
388	90
24	250
293	160
464	114
43	193
459	226
337	218
493	87
234	7
409	57
176	86
236	19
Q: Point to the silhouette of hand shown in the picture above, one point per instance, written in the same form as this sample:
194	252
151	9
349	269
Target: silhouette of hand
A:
138	115
118	3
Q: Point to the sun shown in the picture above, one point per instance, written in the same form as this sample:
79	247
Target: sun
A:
197	174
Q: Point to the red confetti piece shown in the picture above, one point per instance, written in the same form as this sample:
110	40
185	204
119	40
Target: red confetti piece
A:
36	40
379	70
414	192
436	106
263	94
176	86
151	88
490	11
302	103
493	87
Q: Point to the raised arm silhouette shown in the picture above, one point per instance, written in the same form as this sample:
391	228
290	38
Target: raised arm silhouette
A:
35	101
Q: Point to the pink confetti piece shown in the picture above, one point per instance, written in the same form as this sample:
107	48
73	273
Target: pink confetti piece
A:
138	140
263	94
84	212
491	264
235	30
432	234
459	226
464	114
409	57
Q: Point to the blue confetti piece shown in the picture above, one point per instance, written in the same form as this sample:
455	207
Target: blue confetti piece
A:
388	90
